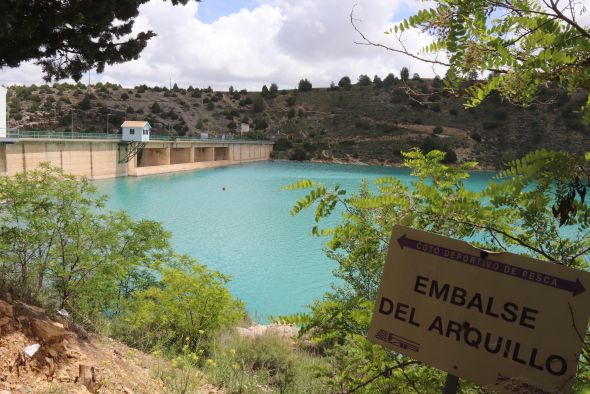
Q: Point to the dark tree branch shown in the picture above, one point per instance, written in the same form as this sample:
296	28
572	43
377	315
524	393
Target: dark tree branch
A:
368	42
560	15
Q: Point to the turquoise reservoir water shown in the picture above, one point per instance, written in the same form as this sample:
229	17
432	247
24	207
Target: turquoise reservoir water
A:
246	231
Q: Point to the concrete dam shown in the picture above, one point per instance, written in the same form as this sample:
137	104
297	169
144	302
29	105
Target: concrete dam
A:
133	152
99	156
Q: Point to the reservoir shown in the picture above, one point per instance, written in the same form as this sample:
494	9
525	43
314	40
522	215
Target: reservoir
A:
236	220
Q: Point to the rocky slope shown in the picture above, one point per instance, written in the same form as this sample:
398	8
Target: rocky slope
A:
40	353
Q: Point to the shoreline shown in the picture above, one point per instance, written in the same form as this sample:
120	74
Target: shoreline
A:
375	163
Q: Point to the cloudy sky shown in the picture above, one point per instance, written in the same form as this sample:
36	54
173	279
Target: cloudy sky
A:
248	43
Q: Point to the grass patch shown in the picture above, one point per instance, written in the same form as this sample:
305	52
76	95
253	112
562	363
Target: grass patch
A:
261	365
180	376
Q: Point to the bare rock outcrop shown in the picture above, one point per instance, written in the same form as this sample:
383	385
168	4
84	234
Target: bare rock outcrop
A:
48	331
6	309
281	330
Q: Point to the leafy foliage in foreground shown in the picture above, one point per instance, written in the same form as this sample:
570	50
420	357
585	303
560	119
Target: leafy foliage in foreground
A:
525	45
60	247
188	308
68	40
520	211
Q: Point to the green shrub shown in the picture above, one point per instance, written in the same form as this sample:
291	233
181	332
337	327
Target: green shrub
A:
188	307
437	130
377	82
389	80
304	85
255	135
309	147
260	124
85	103
416	104
34	107
246	101
345	83
475	136
170	114
124	96
156	108
245	365
76	231
299	155
429	144
181	375
282	144
364	80
258	104
387	128
362	124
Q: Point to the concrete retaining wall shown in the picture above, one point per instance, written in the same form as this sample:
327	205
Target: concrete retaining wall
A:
98	159
181	155
204	154
82	158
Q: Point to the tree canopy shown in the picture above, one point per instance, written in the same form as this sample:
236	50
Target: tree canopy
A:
345	83
522	45
404	74
304	85
68	38
364	80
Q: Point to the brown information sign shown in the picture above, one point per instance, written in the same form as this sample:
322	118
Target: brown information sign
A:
504	321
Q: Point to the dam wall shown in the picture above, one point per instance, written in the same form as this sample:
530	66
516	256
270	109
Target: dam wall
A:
100	158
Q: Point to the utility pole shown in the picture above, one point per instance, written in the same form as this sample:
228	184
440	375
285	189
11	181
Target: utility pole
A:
169	125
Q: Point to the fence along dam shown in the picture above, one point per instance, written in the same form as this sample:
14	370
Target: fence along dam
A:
98	156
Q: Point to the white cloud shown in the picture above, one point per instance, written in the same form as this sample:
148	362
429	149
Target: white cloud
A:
278	41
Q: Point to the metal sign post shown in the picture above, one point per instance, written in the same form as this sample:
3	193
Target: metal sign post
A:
503	321
451	384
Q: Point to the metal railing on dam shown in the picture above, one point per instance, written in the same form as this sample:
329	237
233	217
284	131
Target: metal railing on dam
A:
64	135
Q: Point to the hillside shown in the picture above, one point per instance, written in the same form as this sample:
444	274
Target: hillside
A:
369	123
41	353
